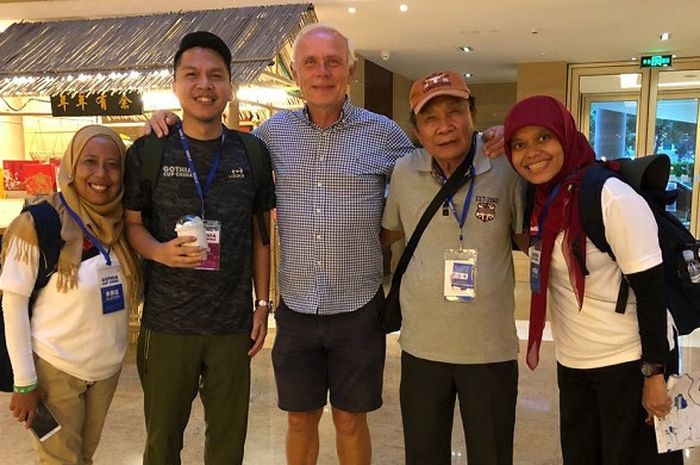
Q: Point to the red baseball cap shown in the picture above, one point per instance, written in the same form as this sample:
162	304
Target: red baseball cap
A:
436	84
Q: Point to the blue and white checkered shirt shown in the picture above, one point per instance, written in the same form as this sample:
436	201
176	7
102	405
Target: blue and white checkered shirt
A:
330	194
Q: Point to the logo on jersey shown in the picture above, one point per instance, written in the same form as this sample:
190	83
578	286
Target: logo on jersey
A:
236	173
176	172
486	208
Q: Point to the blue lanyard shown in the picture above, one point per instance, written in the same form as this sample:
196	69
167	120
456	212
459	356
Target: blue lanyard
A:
87	233
212	171
467	201
545	209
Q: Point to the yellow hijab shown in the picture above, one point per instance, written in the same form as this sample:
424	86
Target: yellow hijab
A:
105	222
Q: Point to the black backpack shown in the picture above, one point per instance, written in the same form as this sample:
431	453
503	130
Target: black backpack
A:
152	160
48	230
649	177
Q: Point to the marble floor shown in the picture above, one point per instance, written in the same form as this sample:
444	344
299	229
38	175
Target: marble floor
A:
536	437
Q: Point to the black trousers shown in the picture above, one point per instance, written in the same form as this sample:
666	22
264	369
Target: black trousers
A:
602	418
487	396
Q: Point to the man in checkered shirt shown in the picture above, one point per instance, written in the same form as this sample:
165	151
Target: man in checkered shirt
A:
332	162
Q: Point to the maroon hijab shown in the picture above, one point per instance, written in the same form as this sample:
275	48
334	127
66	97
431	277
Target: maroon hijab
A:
563	213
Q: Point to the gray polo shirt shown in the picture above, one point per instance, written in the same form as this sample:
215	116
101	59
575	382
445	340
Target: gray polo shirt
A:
482	331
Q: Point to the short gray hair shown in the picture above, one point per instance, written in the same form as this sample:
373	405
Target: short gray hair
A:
315	26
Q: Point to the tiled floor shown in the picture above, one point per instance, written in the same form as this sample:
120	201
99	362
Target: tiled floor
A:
536	439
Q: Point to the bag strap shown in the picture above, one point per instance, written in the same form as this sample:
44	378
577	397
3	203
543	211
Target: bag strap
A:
48	230
590	209
591	213
254	150
458	179
152	158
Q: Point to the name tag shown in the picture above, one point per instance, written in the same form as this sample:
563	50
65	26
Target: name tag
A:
460	275
111	289
213	260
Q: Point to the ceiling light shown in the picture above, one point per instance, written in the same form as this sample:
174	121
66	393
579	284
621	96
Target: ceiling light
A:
352	10
634	58
665	36
467	75
403	7
466	49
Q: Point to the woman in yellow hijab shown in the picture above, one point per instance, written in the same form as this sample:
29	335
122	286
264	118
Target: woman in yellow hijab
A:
69	354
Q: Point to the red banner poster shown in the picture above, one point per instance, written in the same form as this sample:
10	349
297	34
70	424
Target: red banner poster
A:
39	179
14	173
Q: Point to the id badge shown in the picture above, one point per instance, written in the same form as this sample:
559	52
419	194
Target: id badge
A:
535	253
213	260
460	275
111	289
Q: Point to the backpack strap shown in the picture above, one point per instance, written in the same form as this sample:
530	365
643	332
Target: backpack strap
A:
150	155
591	213
590	209
152	159
259	164
48	230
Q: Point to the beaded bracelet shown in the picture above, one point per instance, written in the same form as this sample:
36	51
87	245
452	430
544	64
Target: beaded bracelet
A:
25	389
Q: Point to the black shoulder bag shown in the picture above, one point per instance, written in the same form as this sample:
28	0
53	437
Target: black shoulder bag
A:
390	316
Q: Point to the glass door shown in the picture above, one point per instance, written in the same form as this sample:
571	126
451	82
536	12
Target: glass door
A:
612	128
675	133
610	105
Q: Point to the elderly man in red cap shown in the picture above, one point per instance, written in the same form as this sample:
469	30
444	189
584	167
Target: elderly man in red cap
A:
458	337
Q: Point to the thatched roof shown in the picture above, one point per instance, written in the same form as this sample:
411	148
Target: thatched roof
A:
136	52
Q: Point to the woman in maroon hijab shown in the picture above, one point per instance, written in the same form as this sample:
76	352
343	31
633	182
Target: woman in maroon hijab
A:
610	366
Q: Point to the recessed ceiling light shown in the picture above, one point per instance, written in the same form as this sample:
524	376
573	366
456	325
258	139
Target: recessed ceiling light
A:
635	58
403	7
674	56
467	75
665	36
466	49
352	10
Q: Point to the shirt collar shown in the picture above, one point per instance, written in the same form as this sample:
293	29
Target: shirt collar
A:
346	114
424	161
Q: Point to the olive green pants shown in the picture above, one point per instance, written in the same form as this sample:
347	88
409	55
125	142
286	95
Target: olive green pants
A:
173	368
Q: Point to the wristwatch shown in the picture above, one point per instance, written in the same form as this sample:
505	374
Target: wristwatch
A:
651	369
263	303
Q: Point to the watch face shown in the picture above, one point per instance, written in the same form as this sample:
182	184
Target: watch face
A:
651	369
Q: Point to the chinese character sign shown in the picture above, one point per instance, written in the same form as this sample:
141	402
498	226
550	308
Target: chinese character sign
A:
97	104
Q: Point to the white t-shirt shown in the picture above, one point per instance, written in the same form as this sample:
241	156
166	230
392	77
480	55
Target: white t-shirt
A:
596	336
69	330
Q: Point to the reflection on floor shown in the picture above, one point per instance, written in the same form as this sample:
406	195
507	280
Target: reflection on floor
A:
536	439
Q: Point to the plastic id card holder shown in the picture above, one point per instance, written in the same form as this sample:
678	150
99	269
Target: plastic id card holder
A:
213	260
460	275
111	288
